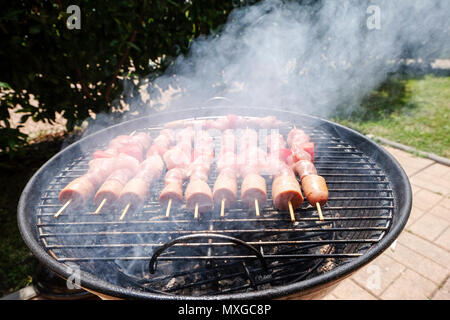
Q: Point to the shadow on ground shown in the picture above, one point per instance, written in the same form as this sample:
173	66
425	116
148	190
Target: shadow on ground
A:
390	96
16	262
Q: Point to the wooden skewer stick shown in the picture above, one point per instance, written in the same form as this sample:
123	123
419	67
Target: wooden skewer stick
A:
222	208
62	208
131	134
100	206
169	204
257	207
291	211
124	212
196	211
319	210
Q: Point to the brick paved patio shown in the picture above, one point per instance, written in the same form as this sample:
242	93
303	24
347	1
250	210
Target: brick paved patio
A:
417	265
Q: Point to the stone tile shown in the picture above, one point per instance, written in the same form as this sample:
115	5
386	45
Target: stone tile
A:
425	248
446	202
330	296
430	183
438	170
426	199
349	290
447	176
407	159
443	293
410	171
415	189
434	177
418	263
441	212
429	227
444	239
379	274
409	286
414	215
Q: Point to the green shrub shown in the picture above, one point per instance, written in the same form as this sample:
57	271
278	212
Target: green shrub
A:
77	72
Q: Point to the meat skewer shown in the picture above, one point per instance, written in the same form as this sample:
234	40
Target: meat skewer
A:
136	190
132	145
225	187
111	188
177	160
198	194
78	191
251	160
286	192
230	121
314	186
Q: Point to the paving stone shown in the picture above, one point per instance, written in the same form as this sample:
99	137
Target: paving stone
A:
418	263
414	215
441	212
443	293
438	170
433	176
429	227
409	286
426	199
445	203
349	290
415	189
410	171
446	176
431	183
330	296
425	248
406	159
379	274
444	239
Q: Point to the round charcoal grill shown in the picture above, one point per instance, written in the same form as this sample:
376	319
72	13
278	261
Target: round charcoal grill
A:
239	256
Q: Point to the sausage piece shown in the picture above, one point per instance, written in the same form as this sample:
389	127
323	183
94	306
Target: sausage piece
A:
175	175
198	172
297	136
299	154
79	190
315	189
304	168
253	187
135	192
174	191
226	188
112	187
286	188
199	192
176	157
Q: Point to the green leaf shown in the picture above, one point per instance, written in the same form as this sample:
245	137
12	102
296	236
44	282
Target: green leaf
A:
4	85
132	45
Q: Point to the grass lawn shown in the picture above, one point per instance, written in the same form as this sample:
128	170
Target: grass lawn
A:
411	111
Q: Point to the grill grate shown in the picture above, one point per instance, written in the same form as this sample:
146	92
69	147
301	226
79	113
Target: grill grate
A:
357	216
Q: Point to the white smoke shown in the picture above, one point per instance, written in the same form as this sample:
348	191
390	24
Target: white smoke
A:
310	58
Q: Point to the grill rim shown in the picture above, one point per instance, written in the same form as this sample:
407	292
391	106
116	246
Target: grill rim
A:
398	179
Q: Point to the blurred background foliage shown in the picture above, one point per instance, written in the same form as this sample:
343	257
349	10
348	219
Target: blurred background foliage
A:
77	73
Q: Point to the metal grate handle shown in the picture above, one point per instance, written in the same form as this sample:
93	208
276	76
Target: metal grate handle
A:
153	262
